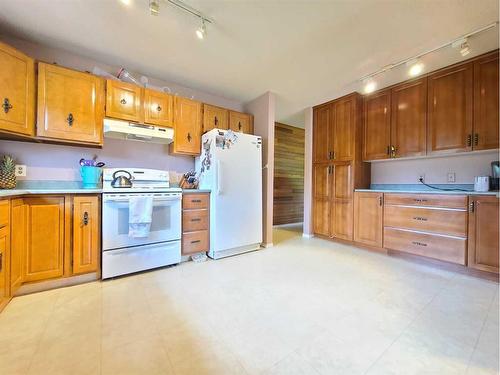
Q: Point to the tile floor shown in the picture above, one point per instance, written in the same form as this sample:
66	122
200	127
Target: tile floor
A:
306	306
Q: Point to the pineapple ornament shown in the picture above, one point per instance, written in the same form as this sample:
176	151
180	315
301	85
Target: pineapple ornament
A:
7	173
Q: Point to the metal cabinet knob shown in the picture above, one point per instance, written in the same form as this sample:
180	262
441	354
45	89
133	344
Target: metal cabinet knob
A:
6	105
85	218
70	119
123	101
158	108
189	137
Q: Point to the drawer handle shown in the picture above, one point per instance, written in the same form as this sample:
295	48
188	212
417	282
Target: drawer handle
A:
419	243
418	200
195	200
196	219
196	241
216	121
420	218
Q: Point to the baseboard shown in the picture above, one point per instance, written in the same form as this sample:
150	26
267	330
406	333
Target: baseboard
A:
307	235
57	283
288	225
266	245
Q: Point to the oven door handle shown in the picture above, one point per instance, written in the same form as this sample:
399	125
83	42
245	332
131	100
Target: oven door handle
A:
155	199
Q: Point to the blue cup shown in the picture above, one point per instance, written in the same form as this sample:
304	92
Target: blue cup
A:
91	177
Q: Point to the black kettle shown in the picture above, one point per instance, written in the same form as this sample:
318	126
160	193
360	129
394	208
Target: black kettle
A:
121	181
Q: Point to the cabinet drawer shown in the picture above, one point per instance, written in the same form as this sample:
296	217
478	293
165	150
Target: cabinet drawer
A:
447	248
437	220
4	213
433	200
195	242
195	201
193	220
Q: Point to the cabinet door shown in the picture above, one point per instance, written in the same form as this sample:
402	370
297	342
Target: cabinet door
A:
449	107
4	263
368	215
187	122
377	126
44	256
17	92
486	103
124	101
18	242
409	118
483	247
240	122
322	189
70	105
215	118
158	108
85	234
323	123
344	129
341	214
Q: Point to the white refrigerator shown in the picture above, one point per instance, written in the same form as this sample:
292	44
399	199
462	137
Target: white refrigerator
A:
230	165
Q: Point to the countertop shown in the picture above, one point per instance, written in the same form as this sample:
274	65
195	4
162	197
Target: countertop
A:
47	187
194	191
419	189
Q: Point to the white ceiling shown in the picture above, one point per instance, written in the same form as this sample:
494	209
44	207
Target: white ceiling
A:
306	52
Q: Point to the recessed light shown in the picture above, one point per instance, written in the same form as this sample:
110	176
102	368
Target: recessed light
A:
416	68
370	86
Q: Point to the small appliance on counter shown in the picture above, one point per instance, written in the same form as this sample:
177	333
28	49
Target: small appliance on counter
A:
481	183
495	176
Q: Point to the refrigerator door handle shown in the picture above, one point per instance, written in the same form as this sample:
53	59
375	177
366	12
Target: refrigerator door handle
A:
219	177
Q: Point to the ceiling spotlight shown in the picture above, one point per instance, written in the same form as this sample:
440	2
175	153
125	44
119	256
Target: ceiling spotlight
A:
416	67
154	7
465	48
201	32
126	2
370	86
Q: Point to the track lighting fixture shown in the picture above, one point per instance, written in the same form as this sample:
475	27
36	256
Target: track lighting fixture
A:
369	86
416	67
154	7
201	32
465	48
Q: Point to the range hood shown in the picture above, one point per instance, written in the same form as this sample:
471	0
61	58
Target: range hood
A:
137	132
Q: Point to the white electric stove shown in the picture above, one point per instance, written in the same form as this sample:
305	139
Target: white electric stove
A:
122	254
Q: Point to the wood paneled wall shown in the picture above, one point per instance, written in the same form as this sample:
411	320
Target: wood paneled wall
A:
288	174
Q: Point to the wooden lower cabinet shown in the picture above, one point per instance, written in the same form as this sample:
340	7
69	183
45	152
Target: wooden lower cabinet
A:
483	246
86	234
4	265
368	218
18	242
195	223
341	224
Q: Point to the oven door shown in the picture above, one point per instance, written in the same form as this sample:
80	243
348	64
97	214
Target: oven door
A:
165	225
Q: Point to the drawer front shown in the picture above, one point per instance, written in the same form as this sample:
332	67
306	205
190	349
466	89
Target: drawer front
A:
436	220
449	249
195	242
4	213
195	201
194	220
432	200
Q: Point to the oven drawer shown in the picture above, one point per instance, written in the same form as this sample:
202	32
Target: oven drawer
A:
195	201
194	220
447	248
134	259
195	242
436	220
433	200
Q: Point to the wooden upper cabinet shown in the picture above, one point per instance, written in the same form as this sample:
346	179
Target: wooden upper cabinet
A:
409	118
377	125
158	108
486	121
44	253
241	122
368	218
344	129
17	92
86	234
124	101
323	122
450	96
483	244
70	105
215	118
187	123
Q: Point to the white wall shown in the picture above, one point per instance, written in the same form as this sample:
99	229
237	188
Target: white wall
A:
308	224
465	166
263	109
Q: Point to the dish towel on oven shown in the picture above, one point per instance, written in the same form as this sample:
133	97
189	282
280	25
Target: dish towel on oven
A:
140	212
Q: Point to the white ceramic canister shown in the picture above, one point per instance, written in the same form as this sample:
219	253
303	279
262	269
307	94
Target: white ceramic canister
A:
481	183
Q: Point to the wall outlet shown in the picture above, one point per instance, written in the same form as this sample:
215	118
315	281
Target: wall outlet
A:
421	177
450	177
20	170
